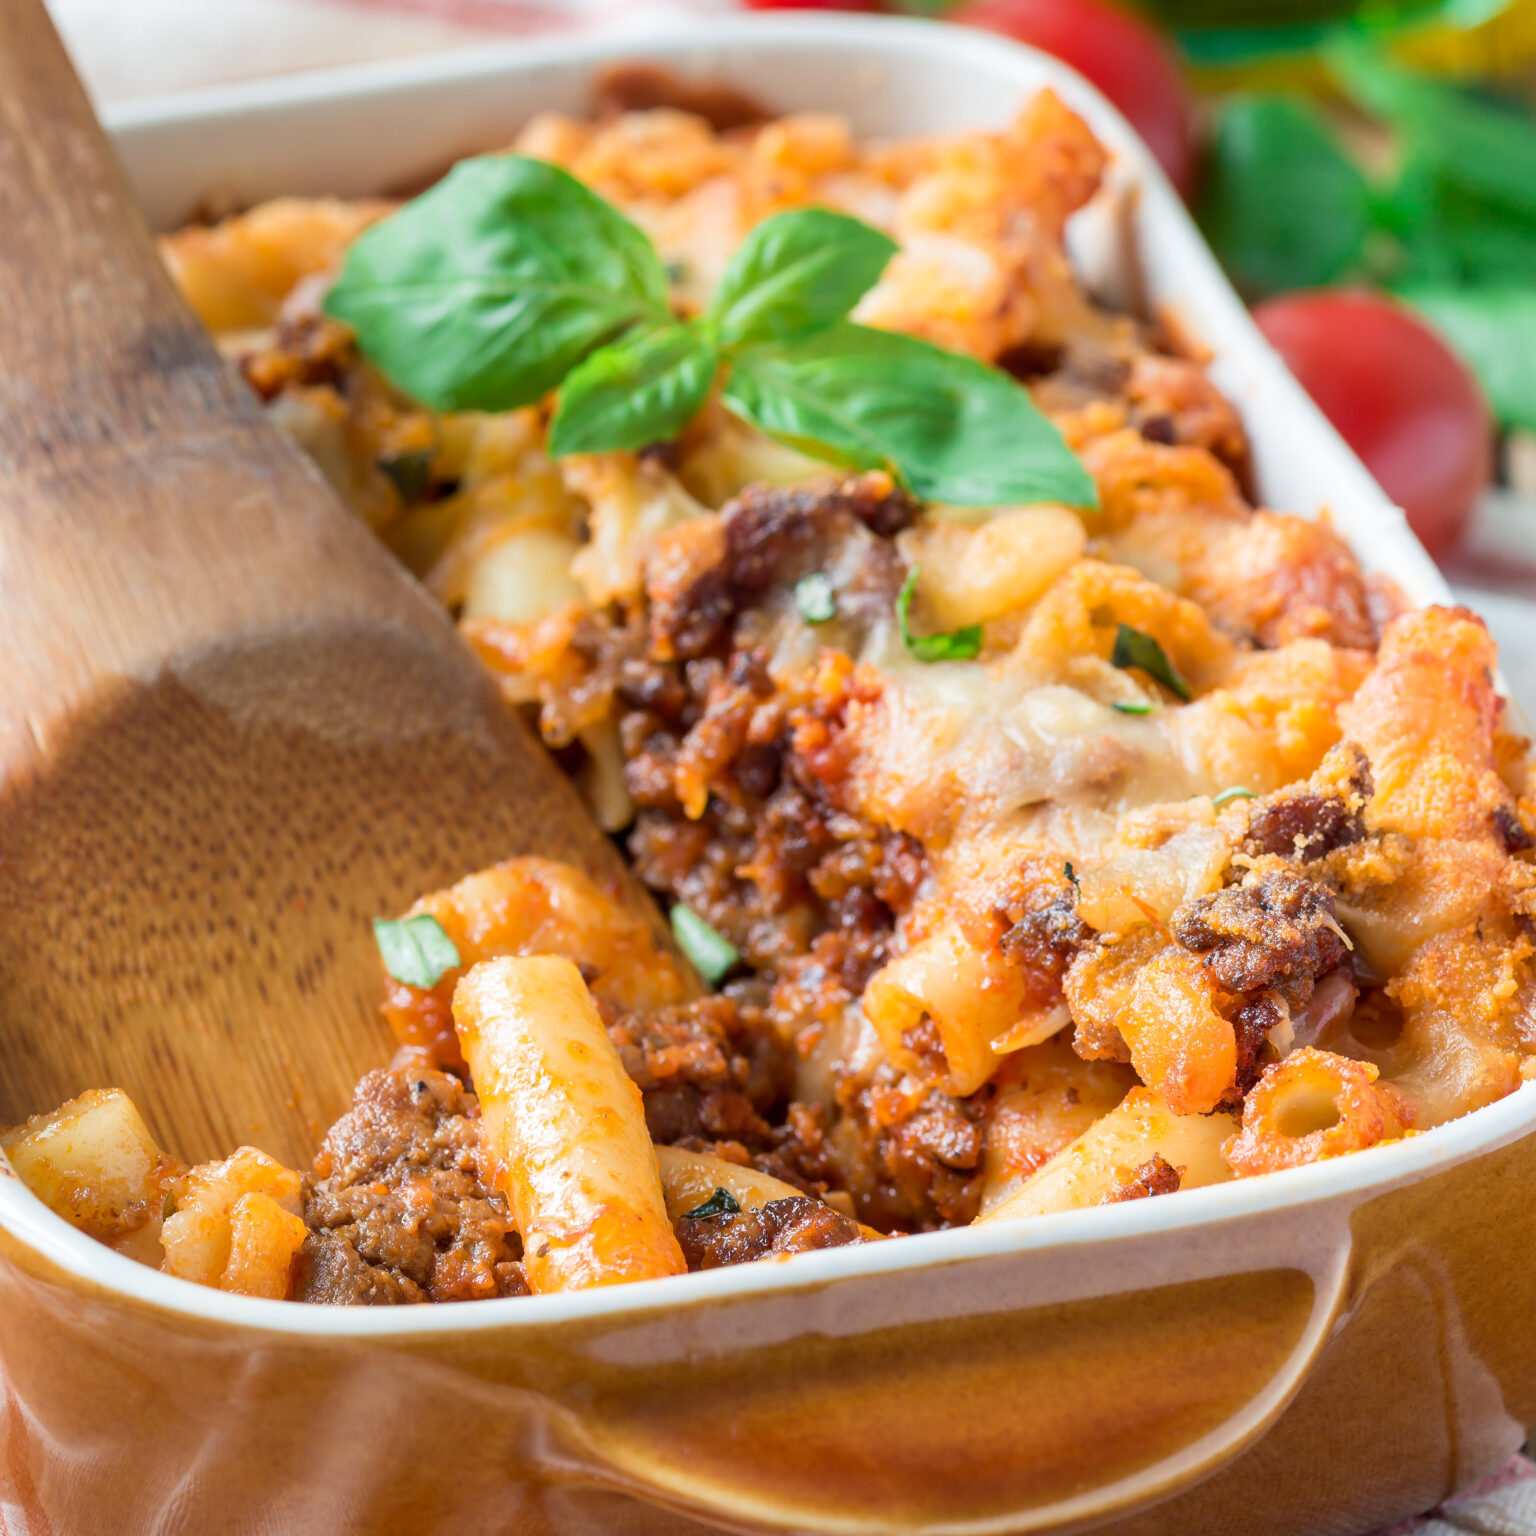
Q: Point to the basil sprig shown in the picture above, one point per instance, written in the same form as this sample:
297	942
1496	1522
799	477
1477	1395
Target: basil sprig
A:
510	279
486	291
797	273
951	428
637	393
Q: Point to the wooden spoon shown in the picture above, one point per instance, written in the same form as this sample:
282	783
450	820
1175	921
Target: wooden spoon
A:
232	729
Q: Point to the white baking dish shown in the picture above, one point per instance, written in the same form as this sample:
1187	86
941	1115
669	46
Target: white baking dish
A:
373	128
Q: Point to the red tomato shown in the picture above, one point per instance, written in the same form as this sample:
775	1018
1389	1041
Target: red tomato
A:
1131	63
1400	397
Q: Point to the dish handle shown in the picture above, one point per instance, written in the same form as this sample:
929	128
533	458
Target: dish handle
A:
1046	1415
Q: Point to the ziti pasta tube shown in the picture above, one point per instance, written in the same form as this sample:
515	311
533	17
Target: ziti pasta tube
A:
563	1128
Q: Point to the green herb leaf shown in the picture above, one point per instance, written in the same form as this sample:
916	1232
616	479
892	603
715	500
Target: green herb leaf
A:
958	645
1495	330
416	951
797	272
1447	235
711	953
409	473
948	426
816	598
1132	709
1282	204
1134	649
1237	792
643	389
1071	875
484	293
721	1203
1487	148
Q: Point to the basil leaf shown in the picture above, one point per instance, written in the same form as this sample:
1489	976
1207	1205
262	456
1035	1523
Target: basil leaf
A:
797	272
949	427
721	1203
1132	709
816	598
416	951
1237	792
958	645
1488	149
1445	234
1134	649
1282	204
711	953
1494	329
643	389
1071	875
483	293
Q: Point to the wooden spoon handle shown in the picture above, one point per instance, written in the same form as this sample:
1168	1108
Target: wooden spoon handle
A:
147	511
232	729
85	303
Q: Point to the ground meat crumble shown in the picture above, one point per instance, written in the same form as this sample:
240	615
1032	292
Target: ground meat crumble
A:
795	1225
397	1207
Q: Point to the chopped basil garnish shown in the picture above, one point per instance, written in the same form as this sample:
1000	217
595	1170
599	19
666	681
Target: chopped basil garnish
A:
1132	709
408	472
1134	649
958	645
711	953
509	279
1071	875
1237	792
416	951
816	598
721	1203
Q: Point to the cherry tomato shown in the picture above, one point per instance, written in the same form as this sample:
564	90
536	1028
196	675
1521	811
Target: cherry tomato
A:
1131	63
1400	397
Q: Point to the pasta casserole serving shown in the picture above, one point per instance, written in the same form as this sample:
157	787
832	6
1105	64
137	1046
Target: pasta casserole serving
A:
1044	824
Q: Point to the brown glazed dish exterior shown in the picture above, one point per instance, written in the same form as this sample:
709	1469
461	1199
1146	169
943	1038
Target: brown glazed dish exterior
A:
1045	1389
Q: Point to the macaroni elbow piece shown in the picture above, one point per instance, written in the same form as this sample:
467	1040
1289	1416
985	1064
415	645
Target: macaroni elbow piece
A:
1181	1047
688	1179
1426	715
238	1226
974	998
1097	1167
1313	1105
563	1127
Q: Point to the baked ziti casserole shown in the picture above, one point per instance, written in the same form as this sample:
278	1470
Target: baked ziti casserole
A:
1046	824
